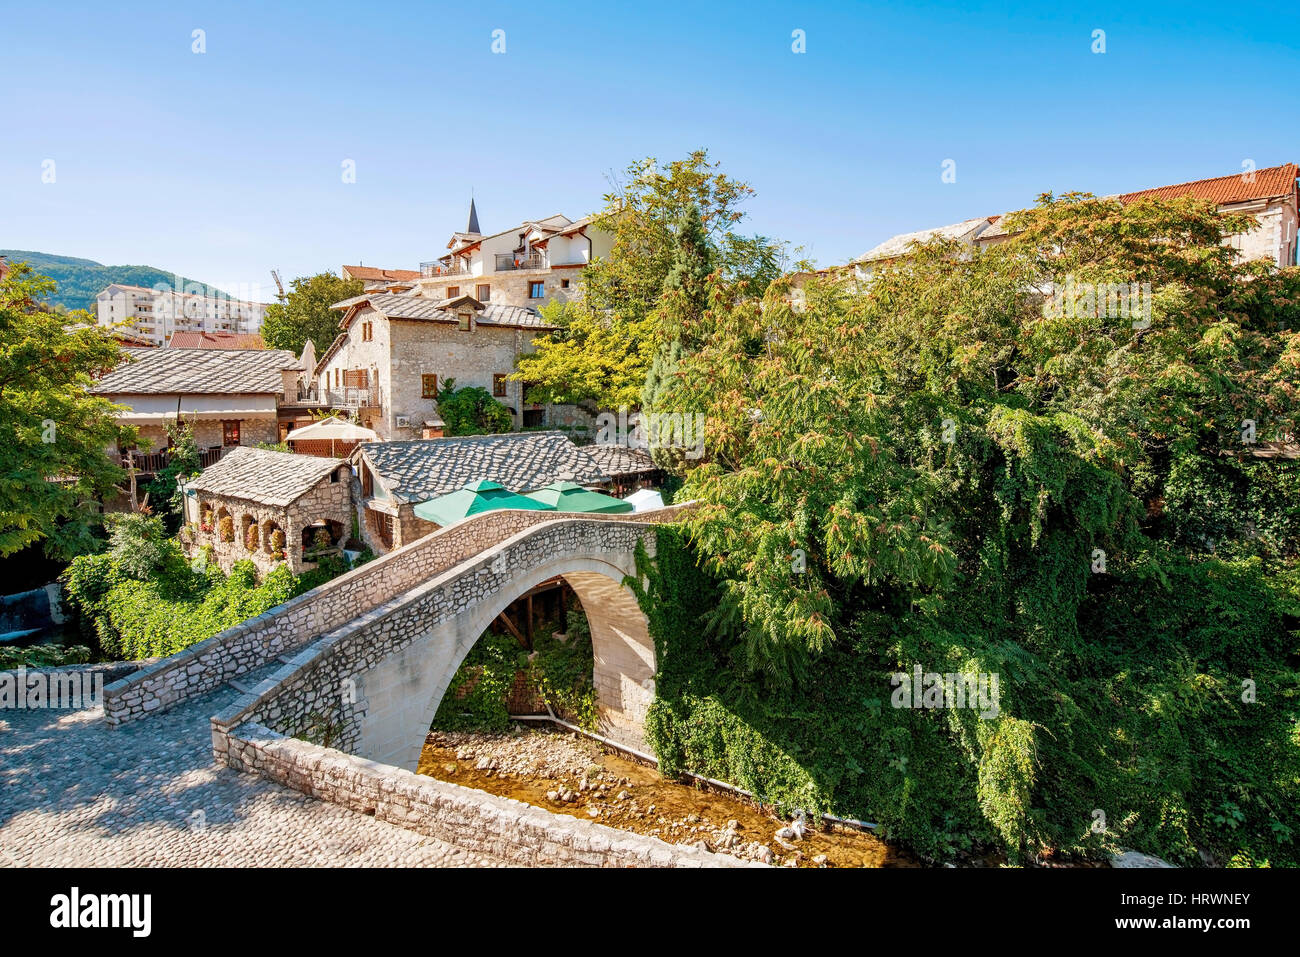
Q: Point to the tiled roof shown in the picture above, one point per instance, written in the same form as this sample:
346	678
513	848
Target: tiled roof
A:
421	469
423	309
374	274
620	460
198	372
263	476
215	340
900	244
1224	190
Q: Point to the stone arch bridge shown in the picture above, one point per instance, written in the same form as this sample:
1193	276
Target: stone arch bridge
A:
361	663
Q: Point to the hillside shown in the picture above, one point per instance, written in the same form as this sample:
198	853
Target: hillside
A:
80	280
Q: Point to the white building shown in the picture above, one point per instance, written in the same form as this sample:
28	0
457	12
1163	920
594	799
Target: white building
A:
155	314
526	265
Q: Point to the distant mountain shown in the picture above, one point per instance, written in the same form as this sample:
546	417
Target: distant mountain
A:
81	280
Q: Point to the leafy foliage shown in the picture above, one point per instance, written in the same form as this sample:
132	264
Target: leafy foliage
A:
143	599
305	312
183	460
608	338
53	457
42	656
471	410
937	470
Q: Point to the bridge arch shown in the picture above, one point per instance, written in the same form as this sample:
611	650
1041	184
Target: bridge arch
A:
400	694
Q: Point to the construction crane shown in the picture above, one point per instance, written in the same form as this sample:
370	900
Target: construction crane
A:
275	274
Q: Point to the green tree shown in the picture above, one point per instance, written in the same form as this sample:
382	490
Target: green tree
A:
968	465
305	312
183	461
607	339
471	410
54	463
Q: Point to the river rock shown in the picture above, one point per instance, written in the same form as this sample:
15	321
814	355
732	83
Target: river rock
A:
1128	858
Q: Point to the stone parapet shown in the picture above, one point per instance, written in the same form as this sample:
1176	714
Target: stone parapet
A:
506	829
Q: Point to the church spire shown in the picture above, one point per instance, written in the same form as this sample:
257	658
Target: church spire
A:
473	218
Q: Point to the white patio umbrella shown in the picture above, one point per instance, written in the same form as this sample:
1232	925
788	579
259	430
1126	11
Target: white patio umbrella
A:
645	499
333	429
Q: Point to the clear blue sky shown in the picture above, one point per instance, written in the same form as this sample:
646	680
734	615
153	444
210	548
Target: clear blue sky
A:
226	164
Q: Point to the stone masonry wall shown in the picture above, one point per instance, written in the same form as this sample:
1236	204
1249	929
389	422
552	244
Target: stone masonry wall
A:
285	628
330	501
509	830
321	693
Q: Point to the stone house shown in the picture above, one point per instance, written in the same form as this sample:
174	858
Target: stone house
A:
393	477
270	507
231	396
467	316
398	349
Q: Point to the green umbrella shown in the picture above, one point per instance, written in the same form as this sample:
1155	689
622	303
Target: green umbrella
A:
572	497
473	499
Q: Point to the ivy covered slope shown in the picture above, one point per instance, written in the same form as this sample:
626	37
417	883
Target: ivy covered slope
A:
936	470
142	598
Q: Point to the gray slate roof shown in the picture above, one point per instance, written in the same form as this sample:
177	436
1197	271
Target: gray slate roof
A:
620	460
263	476
421	308
421	469
198	371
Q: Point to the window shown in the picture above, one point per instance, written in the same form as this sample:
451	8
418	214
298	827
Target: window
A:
367	331
483	293
536	290
230	431
466	319
453	292
429	386
564	284
499	384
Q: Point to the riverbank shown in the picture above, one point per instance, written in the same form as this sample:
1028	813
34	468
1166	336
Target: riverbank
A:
566	773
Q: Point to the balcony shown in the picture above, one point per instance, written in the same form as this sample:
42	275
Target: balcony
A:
510	261
150	463
350	397
435	269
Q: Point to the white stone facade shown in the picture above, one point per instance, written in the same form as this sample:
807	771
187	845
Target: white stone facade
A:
155	314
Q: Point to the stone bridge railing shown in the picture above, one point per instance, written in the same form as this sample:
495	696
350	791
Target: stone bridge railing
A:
308	698
282	630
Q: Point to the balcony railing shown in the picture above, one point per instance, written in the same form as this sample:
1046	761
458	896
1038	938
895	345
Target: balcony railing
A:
349	397
434	269
508	261
154	462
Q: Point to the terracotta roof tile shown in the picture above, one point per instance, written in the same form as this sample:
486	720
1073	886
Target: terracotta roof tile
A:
215	340
374	274
1224	190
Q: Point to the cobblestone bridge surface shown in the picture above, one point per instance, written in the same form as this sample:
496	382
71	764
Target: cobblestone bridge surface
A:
74	793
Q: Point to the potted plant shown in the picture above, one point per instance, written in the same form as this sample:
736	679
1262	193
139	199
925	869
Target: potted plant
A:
226	528
277	544
250	537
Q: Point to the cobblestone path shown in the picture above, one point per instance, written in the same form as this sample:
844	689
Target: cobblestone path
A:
74	793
